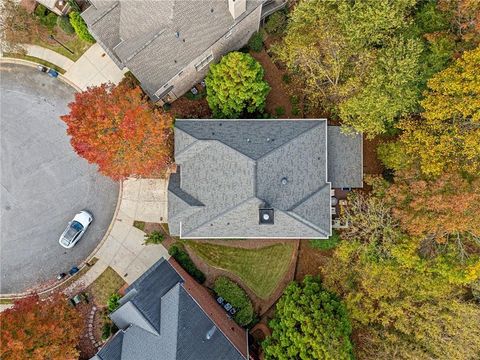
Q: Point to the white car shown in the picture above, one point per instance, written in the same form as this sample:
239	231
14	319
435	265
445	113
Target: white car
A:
75	229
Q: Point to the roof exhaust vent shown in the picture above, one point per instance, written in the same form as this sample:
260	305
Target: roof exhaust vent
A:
211	332
266	216
284	181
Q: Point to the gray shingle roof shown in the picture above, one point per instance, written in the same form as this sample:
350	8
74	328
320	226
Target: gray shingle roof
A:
181	325
142	35
234	167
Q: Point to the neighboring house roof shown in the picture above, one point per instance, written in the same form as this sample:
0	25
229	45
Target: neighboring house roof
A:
229	169
157	39
159	319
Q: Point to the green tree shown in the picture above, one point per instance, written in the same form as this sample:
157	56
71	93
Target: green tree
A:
235	85
389	91
448	133
309	323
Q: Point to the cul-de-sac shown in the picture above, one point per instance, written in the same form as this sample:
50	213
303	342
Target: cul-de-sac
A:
240	179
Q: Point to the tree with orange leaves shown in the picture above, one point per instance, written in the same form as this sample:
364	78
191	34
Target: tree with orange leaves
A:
439	208
40	329
117	129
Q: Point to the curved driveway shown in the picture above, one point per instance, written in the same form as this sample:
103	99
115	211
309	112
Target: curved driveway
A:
43	182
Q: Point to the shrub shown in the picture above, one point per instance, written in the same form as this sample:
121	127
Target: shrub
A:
236	296
80	27
235	86
106	330
74	6
46	17
256	42
326	244
113	302
155	237
276	23
178	253
64	23
279	111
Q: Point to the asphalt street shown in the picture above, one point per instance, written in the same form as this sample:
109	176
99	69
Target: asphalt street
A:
44	183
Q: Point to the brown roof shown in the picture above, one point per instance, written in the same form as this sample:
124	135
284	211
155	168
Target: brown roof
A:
234	332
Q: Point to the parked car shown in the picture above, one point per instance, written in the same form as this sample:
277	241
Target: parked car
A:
75	229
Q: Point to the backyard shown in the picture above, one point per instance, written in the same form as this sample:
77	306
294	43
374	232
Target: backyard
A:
260	269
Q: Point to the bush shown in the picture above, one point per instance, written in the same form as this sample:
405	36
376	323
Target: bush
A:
46	17
279	111
178	253
326	244
80	27
276	23
106	330
256	42
64	23
235	86
74	6
155	237
113	302
236	296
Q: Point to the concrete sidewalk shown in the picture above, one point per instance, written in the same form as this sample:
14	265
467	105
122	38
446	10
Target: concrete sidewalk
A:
93	68
123	249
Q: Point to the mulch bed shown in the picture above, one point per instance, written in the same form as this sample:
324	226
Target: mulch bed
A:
278	95
85	346
310	260
371	164
184	108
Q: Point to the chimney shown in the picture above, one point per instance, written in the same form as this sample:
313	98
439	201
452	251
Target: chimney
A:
237	7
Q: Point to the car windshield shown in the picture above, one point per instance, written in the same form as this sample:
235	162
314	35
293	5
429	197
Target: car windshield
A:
73	229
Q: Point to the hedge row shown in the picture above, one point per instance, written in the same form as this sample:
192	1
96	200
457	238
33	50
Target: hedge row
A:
182	257
236	296
80	27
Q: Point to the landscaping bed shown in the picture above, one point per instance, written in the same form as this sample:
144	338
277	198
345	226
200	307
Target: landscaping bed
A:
262	268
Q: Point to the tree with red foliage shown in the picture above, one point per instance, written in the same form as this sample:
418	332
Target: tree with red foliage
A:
115	128
40	329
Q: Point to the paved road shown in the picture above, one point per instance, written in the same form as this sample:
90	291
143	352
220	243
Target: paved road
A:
43	182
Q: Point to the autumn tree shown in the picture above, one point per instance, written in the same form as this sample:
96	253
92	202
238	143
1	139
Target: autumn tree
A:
464	18
117	129
448	133
403	305
354	60
309	323
40	329
444	208
235	85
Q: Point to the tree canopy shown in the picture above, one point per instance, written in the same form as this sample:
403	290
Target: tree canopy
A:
235	85
309	323
40	329
115	128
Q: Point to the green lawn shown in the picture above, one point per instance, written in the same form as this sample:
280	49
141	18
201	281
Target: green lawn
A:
260	269
105	285
75	44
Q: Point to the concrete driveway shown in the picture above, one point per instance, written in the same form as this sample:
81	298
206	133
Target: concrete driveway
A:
43	182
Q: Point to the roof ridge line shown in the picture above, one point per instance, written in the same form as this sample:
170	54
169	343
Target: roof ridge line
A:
141	48
304	221
230	209
289	141
105	13
297	204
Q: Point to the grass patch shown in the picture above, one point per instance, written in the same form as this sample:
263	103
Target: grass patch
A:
108	283
140	225
6	301
36	60
326	244
75	44
260	269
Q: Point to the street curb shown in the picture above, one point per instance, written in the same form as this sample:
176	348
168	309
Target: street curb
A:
82	265
9	60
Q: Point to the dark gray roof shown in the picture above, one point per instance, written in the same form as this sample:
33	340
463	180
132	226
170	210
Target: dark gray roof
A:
141	35
345	158
228	169
180	324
